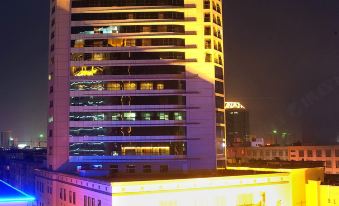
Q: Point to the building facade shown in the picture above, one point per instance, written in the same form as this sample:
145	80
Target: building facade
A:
327	154
252	186
237	124
136	85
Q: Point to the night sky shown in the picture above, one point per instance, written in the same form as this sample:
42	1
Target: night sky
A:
281	60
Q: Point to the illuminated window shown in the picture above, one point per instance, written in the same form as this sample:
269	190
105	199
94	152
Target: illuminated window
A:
146	116
146	86
163	115
178	116
98	56
130	86
79	43
113	86
160	86
130	116
116	116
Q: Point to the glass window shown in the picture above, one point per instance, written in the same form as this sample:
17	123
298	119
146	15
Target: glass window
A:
130	86
113	86
318	153
179	116
337	152
301	153
337	164
328	164
146	86
328	153
309	153
163	115
146	116
116	116
130	116
267	153
160	86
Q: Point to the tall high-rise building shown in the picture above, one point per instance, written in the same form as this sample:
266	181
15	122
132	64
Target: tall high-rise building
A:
237	124
136	85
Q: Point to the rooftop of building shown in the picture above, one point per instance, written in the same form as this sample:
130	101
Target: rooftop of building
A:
281	164
10	194
177	175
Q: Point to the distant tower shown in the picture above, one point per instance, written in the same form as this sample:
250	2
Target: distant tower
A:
237	124
136	85
6	139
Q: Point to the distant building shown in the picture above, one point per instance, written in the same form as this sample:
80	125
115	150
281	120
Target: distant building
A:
257	141
237	124
327	154
6	139
17	167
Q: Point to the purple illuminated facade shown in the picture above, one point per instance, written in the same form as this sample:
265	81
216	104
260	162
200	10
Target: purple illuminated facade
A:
136	87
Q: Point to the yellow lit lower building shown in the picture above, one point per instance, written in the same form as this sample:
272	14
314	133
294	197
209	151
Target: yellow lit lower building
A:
236	186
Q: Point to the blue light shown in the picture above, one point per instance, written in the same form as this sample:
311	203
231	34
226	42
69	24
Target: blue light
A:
10	194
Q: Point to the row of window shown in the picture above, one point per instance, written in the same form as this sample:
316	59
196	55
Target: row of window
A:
267	152
115	86
127	149
127	100
328	164
126	70
127	29
215	6
217	45
132	169
125	15
125	116
216	19
127	56
128	131
118	42
110	3
90	201
318	153
71	196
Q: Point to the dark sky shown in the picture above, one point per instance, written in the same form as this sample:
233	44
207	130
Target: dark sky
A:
281	59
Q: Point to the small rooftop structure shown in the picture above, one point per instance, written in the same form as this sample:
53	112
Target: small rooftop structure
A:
9	195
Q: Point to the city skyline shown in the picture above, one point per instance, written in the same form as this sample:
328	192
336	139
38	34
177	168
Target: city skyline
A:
251	39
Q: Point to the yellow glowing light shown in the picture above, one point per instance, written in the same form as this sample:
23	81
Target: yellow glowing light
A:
233	105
